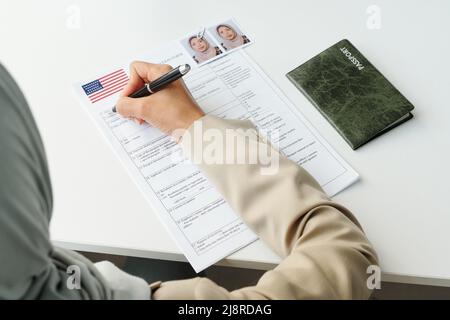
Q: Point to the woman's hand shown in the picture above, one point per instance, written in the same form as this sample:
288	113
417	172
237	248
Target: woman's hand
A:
169	109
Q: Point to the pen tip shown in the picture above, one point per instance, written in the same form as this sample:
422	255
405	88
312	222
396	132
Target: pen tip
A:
114	109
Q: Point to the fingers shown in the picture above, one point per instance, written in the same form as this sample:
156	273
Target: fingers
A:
133	85
141	73
148	72
137	121
137	79
131	107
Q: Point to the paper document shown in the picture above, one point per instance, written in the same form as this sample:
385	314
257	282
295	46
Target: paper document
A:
200	221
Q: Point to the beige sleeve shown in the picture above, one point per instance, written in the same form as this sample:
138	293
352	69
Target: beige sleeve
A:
324	250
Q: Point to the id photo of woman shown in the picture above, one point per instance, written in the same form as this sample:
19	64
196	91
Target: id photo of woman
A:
229	35
201	48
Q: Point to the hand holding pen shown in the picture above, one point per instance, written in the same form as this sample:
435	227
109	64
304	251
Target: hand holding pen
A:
153	95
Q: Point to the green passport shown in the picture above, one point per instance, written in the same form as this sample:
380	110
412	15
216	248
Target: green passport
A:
351	93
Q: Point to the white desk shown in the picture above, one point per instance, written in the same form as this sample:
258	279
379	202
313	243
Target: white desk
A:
402	198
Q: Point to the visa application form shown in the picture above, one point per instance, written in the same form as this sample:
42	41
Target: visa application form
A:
199	220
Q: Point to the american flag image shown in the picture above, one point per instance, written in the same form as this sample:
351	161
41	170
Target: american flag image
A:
105	86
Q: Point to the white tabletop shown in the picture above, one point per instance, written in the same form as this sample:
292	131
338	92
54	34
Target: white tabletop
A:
401	198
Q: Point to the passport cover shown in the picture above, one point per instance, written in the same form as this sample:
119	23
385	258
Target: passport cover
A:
351	93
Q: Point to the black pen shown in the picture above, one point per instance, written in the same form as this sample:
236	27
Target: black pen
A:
155	85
